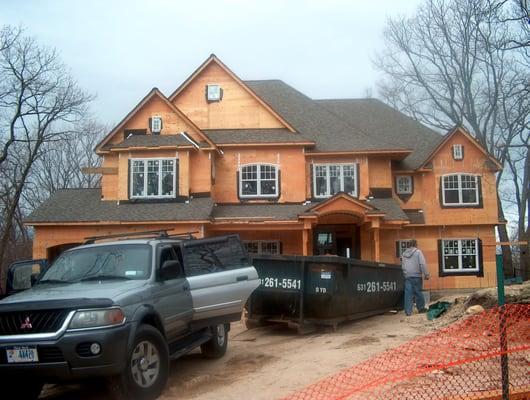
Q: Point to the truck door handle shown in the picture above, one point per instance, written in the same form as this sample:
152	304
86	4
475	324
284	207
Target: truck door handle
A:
185	288
242	278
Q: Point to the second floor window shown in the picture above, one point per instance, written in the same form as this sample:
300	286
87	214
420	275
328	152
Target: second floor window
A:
329	179
460	190
258	180
404	184
153	178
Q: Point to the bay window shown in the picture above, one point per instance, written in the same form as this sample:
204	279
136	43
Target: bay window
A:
153	177
330	179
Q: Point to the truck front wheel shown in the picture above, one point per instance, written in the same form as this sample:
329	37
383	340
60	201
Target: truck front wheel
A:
146	372
216	346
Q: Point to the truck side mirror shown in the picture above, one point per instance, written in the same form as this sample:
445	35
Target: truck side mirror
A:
170	269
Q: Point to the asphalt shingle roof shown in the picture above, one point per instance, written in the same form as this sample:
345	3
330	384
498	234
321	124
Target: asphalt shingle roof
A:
85	205
150	141
389	206
312	120
385	123
229	136
266	211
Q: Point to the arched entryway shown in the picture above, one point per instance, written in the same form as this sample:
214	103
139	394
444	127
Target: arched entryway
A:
337	233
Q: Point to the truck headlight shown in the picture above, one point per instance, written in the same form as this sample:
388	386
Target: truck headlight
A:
83	319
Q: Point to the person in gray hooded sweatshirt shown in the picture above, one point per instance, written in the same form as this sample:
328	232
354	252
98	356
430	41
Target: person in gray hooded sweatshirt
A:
414	267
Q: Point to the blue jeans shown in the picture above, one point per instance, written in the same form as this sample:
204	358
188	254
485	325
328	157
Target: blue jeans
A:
413	288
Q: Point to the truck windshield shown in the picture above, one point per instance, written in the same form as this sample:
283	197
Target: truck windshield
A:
126	261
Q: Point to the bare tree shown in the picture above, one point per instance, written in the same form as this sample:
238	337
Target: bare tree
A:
40	103
60	164
449	65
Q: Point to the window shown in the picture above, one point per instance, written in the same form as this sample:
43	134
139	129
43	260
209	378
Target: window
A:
329	179
460	255
153	178
262	246
216	255
458	152
401	246
460	189
214	93
156	124
258	180
404	184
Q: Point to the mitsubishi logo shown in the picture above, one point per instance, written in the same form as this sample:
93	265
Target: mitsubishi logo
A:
26	324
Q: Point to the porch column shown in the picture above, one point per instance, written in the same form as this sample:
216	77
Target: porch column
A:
307	237
305	242
376	246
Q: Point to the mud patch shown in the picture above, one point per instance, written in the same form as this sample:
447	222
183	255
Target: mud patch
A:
360	341
231	370
248	362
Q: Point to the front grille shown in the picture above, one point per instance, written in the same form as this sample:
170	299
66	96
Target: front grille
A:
27	322
47	354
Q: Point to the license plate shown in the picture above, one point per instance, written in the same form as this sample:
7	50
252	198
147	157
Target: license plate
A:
22	354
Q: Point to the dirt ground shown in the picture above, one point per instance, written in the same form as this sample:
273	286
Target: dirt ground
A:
272	362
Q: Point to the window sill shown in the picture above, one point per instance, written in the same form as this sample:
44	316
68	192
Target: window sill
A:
478	273
139	200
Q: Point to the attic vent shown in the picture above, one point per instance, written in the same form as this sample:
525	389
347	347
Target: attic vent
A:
214	93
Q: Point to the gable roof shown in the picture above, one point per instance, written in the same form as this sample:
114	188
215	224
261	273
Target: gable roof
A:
386	123
213	59
462	131
149	141
152	93
330	132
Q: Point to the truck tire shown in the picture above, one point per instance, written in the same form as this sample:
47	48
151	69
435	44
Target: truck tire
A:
216	346
147	369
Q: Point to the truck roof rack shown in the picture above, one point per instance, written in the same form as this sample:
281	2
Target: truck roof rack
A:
161	234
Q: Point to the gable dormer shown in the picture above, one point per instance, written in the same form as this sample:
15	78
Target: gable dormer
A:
213	97
154	115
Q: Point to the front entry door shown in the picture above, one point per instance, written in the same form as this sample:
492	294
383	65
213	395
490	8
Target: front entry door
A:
341	240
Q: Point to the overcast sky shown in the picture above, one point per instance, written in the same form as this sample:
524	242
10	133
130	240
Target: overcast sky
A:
119	50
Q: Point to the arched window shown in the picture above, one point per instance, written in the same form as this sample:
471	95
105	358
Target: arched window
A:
258	180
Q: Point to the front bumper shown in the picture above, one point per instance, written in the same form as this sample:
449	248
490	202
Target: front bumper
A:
60	359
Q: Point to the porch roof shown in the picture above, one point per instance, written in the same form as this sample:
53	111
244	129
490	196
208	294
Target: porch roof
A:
271	211
85	205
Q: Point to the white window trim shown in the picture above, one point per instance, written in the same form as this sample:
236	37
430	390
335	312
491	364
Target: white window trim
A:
401	241
258	181
460	268
398	191
261	242
158	117
458	155
145	160
208	92
460	196
328	183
